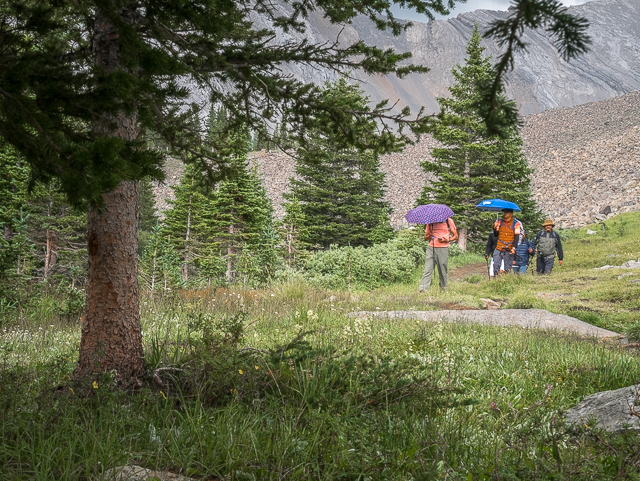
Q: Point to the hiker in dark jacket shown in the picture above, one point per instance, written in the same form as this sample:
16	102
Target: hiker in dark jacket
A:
492	241
491	245
524	252
546	244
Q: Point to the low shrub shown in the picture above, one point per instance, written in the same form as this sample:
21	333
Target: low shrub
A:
370	267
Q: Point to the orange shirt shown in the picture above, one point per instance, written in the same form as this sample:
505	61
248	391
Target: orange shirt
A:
438	230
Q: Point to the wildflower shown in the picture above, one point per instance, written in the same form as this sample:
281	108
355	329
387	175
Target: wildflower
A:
257	367
240	371
95	384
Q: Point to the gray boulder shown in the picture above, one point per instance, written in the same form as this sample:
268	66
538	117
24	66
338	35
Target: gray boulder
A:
611	409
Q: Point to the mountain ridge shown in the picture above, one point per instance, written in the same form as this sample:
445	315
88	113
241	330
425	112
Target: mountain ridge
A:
540	80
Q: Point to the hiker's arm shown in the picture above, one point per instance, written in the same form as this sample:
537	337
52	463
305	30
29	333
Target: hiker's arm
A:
488	248
535	241
427	232
559	247
453	235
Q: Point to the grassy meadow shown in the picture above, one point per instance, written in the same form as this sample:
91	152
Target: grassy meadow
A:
282	384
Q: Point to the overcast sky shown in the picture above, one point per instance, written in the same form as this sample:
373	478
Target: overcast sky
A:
470	6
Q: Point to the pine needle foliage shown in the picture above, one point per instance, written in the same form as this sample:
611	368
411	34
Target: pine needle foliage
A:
240	217
340	190
473	165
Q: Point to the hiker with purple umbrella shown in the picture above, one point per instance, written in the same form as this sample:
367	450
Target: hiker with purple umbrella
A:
439	230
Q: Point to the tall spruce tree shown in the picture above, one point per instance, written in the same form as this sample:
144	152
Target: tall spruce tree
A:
473	165
184	217
340	189
59	232
82	82
240	213
14	243
293	230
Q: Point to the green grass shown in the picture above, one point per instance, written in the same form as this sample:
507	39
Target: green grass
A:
322	395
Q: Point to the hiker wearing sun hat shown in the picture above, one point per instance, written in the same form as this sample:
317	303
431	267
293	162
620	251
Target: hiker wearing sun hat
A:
546	244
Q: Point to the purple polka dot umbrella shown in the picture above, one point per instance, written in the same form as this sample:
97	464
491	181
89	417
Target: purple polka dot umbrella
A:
429	214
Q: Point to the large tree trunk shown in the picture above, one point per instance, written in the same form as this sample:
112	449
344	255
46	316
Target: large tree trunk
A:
111	334
462	238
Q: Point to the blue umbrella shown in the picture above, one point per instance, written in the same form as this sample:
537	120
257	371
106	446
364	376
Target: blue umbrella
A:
497	205
429	214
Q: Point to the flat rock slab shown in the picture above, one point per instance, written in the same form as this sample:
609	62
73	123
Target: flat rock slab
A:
528	318
611	410
138	473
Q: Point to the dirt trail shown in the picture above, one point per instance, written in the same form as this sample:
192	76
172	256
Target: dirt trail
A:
459	273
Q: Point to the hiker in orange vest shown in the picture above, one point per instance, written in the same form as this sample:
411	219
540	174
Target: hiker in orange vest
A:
509	232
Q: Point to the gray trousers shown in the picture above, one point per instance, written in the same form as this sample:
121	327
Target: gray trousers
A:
497	260
544	264
438	256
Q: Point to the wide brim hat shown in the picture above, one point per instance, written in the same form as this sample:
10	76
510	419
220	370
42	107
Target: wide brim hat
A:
548	222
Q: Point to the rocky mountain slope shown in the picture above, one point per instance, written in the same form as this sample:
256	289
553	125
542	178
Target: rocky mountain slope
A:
540	80
586	158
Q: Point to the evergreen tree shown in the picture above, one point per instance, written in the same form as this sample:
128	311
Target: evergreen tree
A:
160	264
14	244
473	165
240	214
59	232
185	216
148	218
83	82
293	227
340	189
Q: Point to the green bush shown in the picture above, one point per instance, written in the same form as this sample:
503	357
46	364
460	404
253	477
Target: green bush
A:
366	267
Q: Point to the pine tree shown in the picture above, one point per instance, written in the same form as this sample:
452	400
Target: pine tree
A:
186	213
59	232
472	165
160	264
14	244
340	190
240	213
148	217
293	227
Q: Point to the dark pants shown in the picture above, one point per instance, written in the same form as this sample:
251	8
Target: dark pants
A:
498	256
544	264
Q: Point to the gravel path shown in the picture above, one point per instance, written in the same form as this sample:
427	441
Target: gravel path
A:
528	318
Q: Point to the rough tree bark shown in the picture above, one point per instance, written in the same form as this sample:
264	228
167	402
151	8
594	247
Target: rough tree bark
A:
111	333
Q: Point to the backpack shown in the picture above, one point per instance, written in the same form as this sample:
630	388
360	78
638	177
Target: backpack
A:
547	243
515	227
